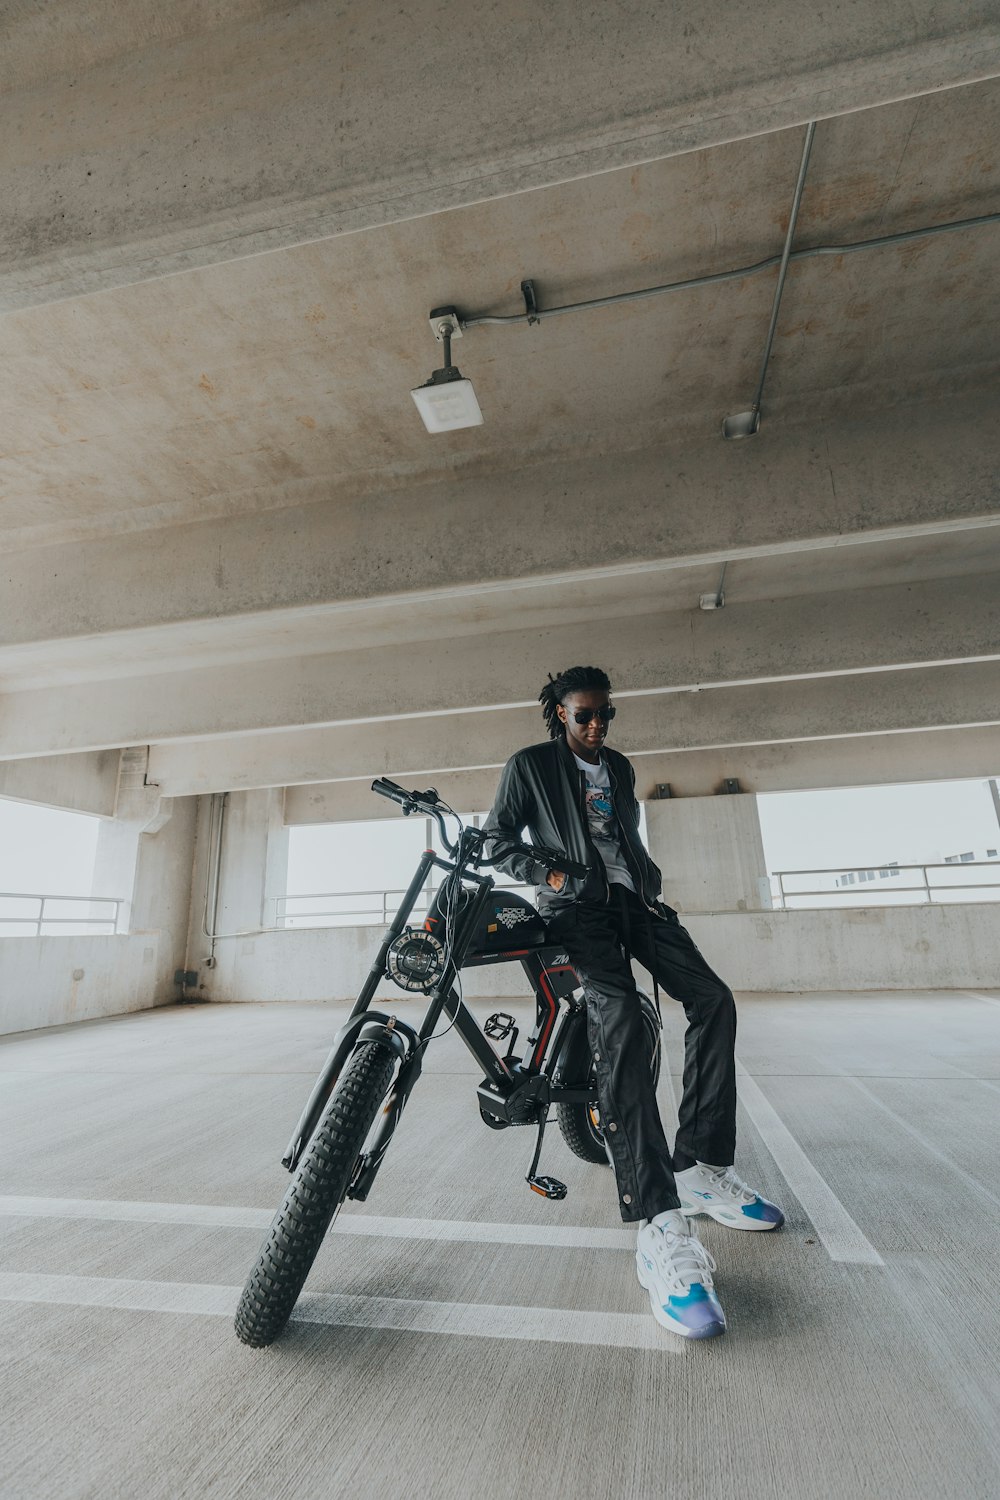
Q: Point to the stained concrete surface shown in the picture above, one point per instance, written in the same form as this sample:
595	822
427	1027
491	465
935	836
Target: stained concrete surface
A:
836	1377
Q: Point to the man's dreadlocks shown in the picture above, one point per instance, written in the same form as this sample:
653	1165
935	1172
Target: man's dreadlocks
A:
574	680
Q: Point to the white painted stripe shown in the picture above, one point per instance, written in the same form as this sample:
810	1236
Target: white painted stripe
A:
923	1142
469	1319
205	1215
212	1216
986	999
843	1239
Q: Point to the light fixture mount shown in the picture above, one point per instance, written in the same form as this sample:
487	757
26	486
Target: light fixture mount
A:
742	424
445	323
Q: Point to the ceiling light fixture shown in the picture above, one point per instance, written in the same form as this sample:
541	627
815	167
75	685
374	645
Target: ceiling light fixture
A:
447	401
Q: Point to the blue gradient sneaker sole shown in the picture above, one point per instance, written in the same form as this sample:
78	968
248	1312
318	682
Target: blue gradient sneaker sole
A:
756	1216
697	1314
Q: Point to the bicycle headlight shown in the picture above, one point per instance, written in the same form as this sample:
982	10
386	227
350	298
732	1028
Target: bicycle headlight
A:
416	960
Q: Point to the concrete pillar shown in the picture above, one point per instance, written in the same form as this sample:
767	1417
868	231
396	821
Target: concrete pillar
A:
254	859
710	851
146	858
251	870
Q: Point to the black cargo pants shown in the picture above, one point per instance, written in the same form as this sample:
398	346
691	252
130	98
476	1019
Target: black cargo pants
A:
595	938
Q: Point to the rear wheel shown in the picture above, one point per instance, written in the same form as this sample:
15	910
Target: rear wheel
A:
315	1193
581	1123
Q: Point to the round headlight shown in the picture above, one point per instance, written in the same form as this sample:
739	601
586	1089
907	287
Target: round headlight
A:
416	960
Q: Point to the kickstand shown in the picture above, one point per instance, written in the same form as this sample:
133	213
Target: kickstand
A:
548	1187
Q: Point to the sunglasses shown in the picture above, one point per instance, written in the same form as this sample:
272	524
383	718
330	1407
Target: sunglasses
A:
605	713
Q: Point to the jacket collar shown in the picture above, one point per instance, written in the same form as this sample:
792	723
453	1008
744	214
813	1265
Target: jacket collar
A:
569	759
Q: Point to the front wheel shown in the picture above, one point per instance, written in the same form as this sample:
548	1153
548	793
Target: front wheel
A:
580	1124
315	1193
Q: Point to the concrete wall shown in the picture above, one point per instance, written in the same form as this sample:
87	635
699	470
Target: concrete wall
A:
881	948
712	857
51	981
710	852
876	948
116	974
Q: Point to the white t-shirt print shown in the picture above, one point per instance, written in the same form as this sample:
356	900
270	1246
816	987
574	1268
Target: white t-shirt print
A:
603	821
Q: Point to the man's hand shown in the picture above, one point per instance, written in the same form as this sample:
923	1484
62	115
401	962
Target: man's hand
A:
556	879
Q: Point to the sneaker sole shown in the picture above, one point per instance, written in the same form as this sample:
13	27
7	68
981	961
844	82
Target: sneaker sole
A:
709	1331
691	1208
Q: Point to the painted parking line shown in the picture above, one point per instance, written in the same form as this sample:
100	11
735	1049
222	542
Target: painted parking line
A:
468	1319
841	1236
922	1140
986	999
212	1216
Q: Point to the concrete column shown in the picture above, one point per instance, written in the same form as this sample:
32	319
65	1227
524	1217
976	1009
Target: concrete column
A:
161	893
145	856
710	851
251	867
254	859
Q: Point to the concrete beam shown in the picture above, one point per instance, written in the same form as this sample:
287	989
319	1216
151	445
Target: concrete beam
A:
771	640
895	474
933	698
223	133
868	760
78	783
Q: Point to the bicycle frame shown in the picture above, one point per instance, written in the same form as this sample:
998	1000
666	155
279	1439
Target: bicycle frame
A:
515	1092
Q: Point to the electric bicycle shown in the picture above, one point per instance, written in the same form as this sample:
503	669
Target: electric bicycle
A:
351	1115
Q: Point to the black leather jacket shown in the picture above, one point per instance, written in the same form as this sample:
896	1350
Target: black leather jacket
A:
542	789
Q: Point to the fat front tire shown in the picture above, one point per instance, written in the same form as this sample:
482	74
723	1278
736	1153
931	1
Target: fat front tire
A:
580	1124
315	1193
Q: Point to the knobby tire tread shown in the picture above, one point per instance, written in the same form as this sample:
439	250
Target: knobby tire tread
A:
574	1119
315	1193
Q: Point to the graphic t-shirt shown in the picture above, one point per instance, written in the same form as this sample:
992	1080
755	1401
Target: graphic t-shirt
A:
603	822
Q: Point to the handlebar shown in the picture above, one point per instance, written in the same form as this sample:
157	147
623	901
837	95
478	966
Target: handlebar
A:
552	859
408	801
429	804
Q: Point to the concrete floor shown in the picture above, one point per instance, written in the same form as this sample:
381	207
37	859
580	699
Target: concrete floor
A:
457	1350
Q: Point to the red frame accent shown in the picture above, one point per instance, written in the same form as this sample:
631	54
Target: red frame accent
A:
545	1033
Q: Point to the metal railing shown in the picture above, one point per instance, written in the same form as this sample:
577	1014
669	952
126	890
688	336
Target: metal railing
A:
36	919
882	882
380	907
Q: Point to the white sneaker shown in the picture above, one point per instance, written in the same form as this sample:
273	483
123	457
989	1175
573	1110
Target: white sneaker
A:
676	1270
718	1192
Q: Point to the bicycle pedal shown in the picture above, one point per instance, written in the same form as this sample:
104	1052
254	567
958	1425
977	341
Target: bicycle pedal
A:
549	1187
499	1025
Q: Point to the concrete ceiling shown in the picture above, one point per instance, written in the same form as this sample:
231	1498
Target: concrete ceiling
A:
286	377
222	522
523	604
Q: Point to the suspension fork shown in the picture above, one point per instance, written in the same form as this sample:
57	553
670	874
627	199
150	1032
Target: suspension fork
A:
408	1046
348	1034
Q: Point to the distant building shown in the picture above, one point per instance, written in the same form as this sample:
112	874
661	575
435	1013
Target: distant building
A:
878	872
892	868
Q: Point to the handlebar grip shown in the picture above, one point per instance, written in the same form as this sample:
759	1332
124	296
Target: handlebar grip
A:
557	861
386	788
408	801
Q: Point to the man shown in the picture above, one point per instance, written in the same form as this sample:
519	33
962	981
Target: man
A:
576	796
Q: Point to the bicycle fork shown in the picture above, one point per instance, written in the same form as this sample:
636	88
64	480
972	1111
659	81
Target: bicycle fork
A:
407	1044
